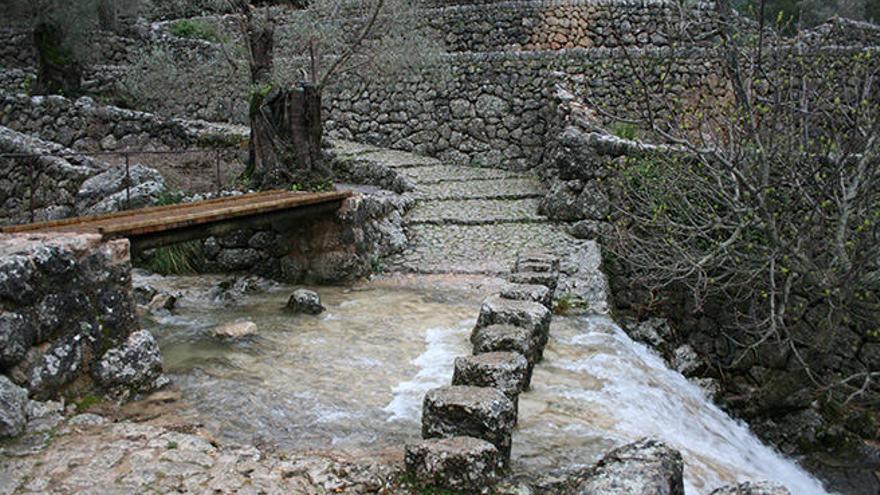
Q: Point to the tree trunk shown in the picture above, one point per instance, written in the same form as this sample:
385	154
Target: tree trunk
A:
108	15
286	127
287	133
58	70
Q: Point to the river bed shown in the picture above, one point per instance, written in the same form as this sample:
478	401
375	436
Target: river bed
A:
353	378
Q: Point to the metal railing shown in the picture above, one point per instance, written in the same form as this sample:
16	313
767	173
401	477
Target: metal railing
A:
34	174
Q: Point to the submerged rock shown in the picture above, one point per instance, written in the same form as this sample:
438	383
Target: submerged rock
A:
236	330
305	301
133	367
479	412
13	408
750	488
646	467
457	463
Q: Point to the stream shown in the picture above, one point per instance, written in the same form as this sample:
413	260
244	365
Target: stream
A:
353	378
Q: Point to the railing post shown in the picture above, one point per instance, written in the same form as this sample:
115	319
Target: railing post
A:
34	161
217	168
127	183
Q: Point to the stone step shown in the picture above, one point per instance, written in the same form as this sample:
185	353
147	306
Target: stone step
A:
479	412
489	189
476	249
389	158
453	173
475	212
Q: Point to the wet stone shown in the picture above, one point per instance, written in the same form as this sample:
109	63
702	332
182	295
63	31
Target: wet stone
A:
506	338
506	371
305	301
236	330
752	488
479	412
135	366
528	292
496	310
457	463
547	279
646	467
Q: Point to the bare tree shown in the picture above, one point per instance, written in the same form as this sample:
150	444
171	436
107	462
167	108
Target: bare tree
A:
330	39
768	208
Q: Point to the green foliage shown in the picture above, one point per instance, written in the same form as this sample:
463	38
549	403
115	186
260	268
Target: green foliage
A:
196	30
171	445
86	402
568	304
624	130
28	84
178	259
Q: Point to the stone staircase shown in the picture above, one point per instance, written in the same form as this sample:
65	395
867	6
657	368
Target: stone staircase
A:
467	220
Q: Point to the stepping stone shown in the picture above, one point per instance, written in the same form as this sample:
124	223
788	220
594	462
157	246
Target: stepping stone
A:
505	338
547	279
528	292
530	315
536	258
506	371
462	464
480	412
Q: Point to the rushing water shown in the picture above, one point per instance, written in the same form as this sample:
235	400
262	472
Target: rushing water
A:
354	378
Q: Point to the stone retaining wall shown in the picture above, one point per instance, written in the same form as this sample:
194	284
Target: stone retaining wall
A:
67	319
337	247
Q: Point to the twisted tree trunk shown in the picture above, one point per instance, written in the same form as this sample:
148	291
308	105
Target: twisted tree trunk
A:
58	70
286	127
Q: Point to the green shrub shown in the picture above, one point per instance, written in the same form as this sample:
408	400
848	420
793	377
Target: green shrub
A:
625	131
195	29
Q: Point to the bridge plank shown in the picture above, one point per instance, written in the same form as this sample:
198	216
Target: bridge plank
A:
164	218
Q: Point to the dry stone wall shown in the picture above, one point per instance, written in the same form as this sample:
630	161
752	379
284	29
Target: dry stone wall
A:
557	24
67	318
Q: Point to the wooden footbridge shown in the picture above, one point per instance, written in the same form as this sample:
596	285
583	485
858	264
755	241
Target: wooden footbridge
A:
165	225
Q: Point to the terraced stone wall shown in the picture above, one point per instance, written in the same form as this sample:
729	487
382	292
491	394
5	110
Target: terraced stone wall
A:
557	24
84	125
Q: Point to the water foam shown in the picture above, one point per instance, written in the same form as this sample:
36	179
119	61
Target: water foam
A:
645	398
442	346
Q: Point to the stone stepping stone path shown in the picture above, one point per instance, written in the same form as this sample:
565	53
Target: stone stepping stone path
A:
516	188
481	404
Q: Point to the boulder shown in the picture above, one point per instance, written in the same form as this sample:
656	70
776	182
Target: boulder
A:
479	412
496	338
138	196
233	260
305	301
547	279
506	371
133	367
528	292
17	335
100	187
496	310
13	408
163	301
236	330
750	488
686	361
646	467
463	464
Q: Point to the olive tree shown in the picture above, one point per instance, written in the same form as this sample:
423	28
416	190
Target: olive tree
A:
769	205
61	31
329	40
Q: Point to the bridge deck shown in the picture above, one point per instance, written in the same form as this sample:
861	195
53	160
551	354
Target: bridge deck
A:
154	220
